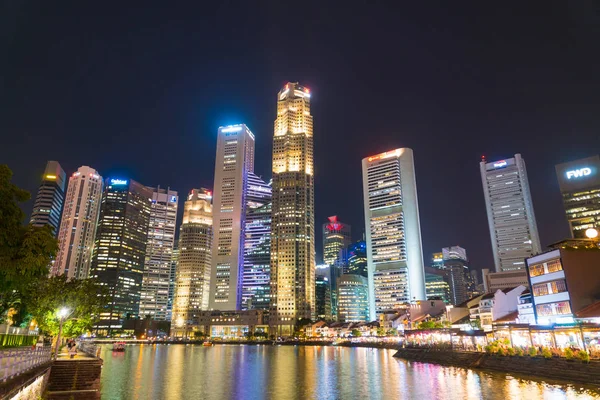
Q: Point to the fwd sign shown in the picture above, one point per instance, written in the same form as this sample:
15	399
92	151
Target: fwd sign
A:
578	173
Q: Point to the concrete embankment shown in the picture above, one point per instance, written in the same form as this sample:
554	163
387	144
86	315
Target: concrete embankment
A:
554	368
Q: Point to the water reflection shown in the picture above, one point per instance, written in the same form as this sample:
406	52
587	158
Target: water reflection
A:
315	372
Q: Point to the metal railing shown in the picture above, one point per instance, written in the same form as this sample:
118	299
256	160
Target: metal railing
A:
89	348
16	361
15	330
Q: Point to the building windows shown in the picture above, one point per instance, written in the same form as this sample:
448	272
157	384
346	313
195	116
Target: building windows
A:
542	289
549	309
545	268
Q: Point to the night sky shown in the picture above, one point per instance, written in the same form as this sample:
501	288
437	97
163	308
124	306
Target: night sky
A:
138	91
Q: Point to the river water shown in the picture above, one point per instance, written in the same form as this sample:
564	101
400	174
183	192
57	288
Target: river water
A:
298	372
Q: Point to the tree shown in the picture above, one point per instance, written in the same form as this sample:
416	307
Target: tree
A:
356	333
83	297
25	251
380	331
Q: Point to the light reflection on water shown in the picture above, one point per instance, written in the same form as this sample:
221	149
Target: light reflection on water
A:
298	372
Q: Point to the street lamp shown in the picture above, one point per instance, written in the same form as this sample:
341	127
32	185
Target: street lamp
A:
591	233
62	315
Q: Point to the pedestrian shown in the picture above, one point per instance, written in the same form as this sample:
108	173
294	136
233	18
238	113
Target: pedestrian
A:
73	349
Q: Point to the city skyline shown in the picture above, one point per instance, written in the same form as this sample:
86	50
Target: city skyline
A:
427	102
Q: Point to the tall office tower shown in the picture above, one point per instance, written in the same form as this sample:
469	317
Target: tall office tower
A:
436	284
78	224
510	212
455	263
256	287
353	298
336	239
120	248
174	259
156	282
48	204
293	221
324	291
579	183
192	277
234	162
394	250
357	258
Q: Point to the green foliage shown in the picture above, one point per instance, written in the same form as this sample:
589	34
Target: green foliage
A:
510	351
546	353
569	354
25	251
356	333
83	297
199	334
430	325
583	356
380	331
532	351
260	334
475	324
392	332
519	352
17	340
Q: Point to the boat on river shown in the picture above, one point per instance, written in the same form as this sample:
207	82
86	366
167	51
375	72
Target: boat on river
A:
119	346
207	343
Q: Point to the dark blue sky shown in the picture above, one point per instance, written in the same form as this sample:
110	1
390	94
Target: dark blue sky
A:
139	91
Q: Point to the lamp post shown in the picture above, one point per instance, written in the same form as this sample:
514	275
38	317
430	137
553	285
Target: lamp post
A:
62	315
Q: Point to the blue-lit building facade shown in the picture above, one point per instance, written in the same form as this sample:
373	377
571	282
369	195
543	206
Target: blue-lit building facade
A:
357	259
256	282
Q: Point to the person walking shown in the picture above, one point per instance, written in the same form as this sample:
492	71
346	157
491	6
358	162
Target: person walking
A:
72	349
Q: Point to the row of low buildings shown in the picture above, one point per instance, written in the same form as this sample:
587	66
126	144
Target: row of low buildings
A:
250	245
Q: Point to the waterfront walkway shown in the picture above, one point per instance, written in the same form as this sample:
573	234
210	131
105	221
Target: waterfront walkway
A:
75	378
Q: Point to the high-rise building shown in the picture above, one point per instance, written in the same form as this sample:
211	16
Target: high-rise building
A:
455	264
510	212
337	236
293	220
156	282
172	276
256	287
322	296
357	258
120	248
234	162
436	284
353	298
579	183
78	224
192	276
394	250
48	205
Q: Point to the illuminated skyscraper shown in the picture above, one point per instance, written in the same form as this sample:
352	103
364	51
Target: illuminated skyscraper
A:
234	162
336	239
510	212
579	183
120	248
192	275
78	224
256	287
357	258
353	298
156	282
293	222
48	204
394	250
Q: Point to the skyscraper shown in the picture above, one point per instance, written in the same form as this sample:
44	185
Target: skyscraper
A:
293	220
48	205
256	287
579	183
120	248
394	250
353	298
357	258
510	212
234	162
455	263
337	236
192	276
78	224
156	282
